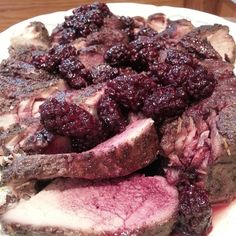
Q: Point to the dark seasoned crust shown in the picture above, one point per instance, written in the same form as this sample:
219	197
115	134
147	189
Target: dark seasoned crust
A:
221	176
20	80
155	230
121	155
219	38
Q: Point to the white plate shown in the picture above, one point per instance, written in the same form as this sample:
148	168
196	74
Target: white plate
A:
224	220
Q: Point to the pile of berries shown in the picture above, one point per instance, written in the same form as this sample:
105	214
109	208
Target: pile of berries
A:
84	20
144	75
63	59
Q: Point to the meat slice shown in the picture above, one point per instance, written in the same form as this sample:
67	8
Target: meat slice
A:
33	40
92	56
220	69
219	38
177	29
221	174
199	46
121	155
23	89
23	131
132	206
34	34
157	22
202	141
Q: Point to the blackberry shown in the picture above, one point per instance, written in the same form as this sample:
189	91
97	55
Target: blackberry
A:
143	42
84	20
178	75
128	26
87	19
118	55
176	57
40	61
164	103
144	51
51	60
102	8
146	31
111	115
200	84
148	54
166	74
130	91
68	119
103	73
74	72
194	212
158	71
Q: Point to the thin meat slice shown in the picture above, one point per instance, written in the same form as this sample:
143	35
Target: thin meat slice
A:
219	38
174	30
136	205
121	155
23	89
177	29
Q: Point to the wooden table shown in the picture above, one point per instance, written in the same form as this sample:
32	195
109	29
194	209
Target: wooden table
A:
13	11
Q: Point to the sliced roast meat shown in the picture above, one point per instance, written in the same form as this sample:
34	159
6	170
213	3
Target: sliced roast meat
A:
32	41
92	56
110	33
87	98
23	89
157	22
220	69
136	205
177	29
139	22
203	139
25	53
198	46
23	131
20	81
219	38
173	29
34	34
221	175
121	155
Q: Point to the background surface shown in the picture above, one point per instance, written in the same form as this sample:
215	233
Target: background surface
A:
13	11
